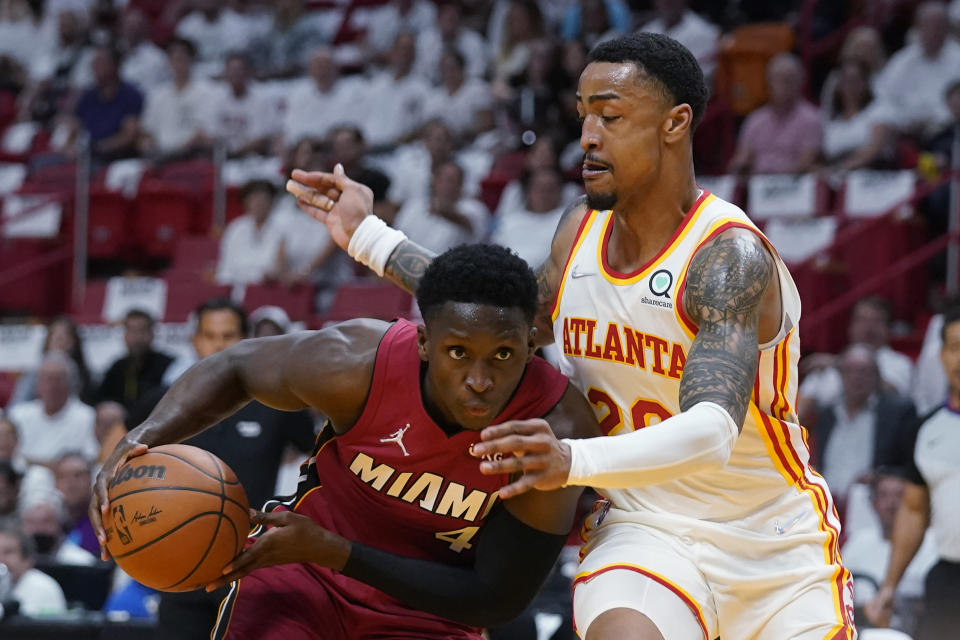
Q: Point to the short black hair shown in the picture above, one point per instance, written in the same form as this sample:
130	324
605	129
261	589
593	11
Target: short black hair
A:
182	42
950	315
133	314
259	184
881	304
221	304
479	274
667	62
28	548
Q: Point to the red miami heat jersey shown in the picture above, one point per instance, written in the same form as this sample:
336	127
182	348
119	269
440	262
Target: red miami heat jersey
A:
396	480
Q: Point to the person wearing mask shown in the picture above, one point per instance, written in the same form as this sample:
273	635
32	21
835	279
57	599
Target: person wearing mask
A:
37	593
44	517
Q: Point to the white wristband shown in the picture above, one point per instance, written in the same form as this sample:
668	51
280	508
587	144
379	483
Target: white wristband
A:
373	242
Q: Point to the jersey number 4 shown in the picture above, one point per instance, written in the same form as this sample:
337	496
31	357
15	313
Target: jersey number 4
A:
459	539
643	413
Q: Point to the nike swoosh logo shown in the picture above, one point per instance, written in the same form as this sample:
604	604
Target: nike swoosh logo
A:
579	274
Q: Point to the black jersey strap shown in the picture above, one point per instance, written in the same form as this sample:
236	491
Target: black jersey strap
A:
512	562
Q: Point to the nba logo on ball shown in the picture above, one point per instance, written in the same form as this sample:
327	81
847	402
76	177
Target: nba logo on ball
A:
177	516
660	283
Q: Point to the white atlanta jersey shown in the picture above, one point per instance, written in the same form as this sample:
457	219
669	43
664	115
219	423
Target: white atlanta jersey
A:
624	341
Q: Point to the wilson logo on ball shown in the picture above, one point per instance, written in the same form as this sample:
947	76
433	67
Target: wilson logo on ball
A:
148	471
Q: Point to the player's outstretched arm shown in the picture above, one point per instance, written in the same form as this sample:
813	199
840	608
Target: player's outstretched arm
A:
329	369
726	283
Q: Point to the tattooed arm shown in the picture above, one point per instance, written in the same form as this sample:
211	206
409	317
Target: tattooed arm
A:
726	284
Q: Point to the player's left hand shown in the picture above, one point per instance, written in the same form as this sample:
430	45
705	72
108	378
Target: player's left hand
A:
526	446
291	538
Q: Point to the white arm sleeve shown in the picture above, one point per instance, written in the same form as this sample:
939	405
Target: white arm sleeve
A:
699	439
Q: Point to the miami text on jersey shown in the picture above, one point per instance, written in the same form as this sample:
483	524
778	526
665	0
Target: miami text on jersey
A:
586	338
424	488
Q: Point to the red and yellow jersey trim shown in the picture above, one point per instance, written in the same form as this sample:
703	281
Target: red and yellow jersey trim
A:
577	241
681	232
676	589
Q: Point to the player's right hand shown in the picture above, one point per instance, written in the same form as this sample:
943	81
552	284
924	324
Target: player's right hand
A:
333	199
880	609
99	502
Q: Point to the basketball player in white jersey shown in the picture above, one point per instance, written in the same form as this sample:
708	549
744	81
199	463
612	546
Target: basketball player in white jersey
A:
678	321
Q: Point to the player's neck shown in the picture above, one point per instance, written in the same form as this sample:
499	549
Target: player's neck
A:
647	221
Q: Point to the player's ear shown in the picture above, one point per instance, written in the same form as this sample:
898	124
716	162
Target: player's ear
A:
422	342
531	343
678	122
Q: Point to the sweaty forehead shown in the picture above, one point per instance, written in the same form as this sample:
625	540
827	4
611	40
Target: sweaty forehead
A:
625	80
471	319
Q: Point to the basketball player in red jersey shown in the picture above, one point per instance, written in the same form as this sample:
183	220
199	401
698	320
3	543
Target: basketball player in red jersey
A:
678	320
394	532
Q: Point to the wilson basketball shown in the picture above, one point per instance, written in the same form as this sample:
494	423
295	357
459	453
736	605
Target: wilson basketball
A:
177	516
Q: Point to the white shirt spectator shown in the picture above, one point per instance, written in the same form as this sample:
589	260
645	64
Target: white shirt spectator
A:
145	66
469	44
438	234
39	594
239	121
44	65
696	34
45	438
396	107
383	23
73	554
867	553
312	113
247	254
173	117
18	38
526	232
459	109
954	12
896	370
229	31
303	237
912	85
842	137
410	171
930	383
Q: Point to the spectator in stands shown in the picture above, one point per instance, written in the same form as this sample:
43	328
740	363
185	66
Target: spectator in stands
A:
931	500
870	321
10	479
458	99
37	593
446	219
913	84
33	477
530	98
939	152
144	63
396	97
783	136
523	26
284	50
449	33
109	112
383	24
864	428
864	46
348	147
216	30
62	335
44	517
57	421
542	154
269	321
176	119
592	21
675	19
323	92
74	475
141	369
108	427
866	553
250	441
248	249
58	70
527	228
244	118
19	33
855	131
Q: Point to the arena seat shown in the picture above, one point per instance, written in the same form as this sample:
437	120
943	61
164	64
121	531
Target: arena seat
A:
368	300
110	214
90	310
742	65
8	382
196	252
163	213
183	296
297	301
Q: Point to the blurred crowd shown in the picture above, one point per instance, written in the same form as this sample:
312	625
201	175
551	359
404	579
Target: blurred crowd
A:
461	117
